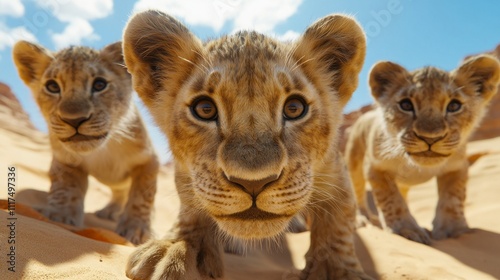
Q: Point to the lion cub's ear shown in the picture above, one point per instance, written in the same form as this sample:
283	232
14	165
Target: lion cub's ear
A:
479	74
31	60
113	52
160	53
331	52
385	77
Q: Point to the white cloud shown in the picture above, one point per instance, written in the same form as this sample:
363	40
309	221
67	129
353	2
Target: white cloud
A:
9	36
12	8
264	15
259	15
69	10
74	33
195	12
290	35
77	14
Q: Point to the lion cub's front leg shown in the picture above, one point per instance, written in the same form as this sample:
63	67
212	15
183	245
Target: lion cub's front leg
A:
135	221
67	191
450	220
331	254
193	253
397	216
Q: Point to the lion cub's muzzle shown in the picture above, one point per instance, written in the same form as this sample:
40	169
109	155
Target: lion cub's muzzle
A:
265	194
75	122
253	187
433	148
262	217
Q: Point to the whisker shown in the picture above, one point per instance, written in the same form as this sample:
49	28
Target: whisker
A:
302	63
194	64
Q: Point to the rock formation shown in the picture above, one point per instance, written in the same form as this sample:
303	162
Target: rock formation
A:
12	115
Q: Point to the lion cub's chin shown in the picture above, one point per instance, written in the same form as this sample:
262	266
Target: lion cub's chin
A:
252	229
84	146
428	158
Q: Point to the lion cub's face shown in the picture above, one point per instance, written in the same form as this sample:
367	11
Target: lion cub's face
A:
249	146
247	117
432	112
81	92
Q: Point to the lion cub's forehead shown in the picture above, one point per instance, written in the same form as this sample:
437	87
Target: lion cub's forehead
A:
430	78
252	62
74	61
245	46
77	53
246	53
429	81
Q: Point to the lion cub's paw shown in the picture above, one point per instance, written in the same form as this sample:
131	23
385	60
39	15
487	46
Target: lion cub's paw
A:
136	230
173	260
362	221
327	269
409	229
71	215
365	217
445	228
110	212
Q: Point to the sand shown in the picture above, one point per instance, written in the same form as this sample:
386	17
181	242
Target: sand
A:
48	251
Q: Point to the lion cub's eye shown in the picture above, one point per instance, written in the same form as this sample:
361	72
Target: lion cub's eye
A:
454	106
295	108
99	85
406	105
52	86
204	109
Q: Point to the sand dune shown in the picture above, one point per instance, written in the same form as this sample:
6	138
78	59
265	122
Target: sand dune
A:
48	251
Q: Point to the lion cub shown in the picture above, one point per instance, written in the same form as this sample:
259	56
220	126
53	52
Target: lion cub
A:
85	96
420	131
252	125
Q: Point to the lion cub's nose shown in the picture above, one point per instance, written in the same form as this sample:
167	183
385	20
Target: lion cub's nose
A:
254	187
430	140
75	122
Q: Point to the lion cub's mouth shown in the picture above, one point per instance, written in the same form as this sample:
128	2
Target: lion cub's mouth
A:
429	154
77	137
253	213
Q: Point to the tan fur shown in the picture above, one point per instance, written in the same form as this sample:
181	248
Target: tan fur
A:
115	150
385	146
249	77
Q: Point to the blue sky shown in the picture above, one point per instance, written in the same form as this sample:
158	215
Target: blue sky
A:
413	33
